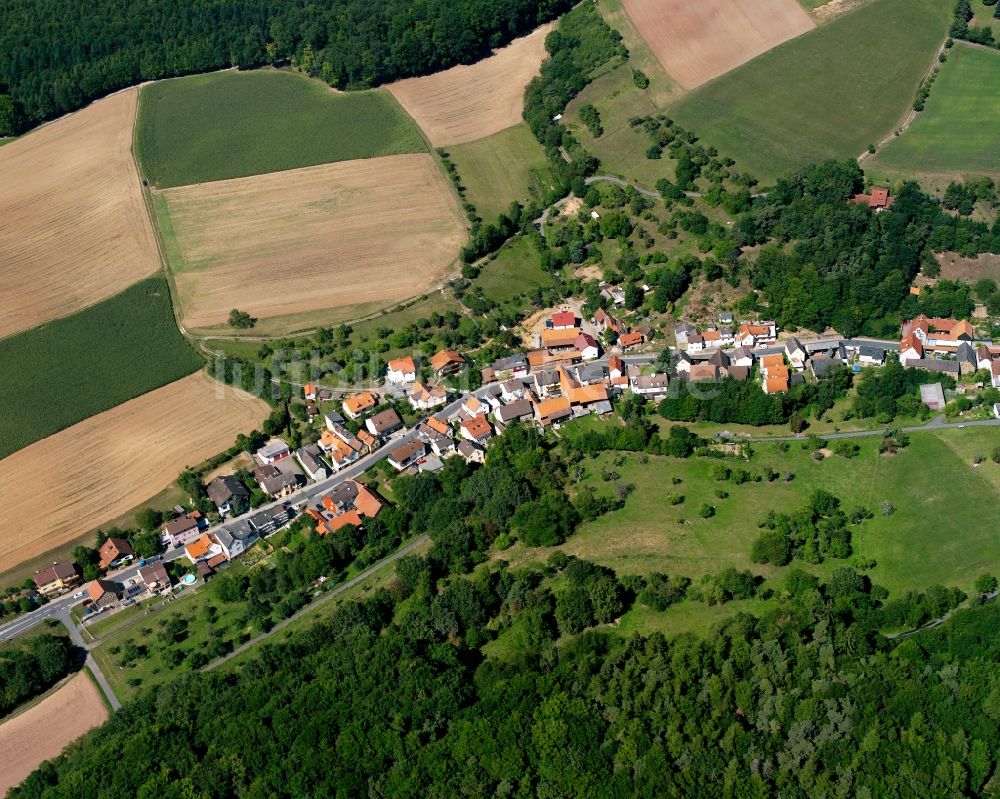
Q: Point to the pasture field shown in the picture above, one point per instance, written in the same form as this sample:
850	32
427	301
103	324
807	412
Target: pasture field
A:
236	124
73	226
84	476
43	730
622	149
817	96
942	530
499	169
958	132
696	42
69	369
515	271
466	103
376	230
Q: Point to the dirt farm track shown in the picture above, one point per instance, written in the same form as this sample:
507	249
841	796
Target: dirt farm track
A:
64	485
43	730
73	226
375	229
466	103
698	41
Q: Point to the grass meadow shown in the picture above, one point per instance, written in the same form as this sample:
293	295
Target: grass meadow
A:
826	94
499	169
236	124
515	270
67	370
943	528
958	132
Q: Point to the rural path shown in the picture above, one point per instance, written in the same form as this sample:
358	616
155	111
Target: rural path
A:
74	633
942	619
937	423
328	596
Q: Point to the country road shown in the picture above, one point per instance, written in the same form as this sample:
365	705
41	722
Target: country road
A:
937	423
329	595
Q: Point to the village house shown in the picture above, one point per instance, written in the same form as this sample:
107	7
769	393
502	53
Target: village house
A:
775	374
552	411
228	494
274	450
309	392
512	389
563	320
400	371
310	458
613	294
617	376
358	405
586	345
476	429
627	341
604	321
493	396
703	371
590	373
103	594
741	356
547	384
518	409
270	520
235	539
203	548
682	334
753	334
341	447
879	199
938	367
647	385
183	529
558	339
331	418
507	367
796	353
155	577
406	455
384	423
422	397
274	482
112	551
471	452
446	362
965	356
57	578
439	440
821	364
350	502
940	335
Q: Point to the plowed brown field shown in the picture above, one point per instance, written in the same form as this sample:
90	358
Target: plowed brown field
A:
465	103
73	226
372	230
62	486
698	41
42	731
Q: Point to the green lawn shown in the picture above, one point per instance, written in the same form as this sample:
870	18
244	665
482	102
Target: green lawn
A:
499	169
826	94
959	129
622	150
234	124
69	369
943	529
515	270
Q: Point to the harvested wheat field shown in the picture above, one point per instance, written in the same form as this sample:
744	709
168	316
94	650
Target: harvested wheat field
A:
42	731
698	41
466	103
114	461
372	230
73	226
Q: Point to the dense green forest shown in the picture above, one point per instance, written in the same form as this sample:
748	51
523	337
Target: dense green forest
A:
806	702
30	668
56	55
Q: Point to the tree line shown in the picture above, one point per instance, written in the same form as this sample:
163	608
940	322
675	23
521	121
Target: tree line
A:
57	55
30	668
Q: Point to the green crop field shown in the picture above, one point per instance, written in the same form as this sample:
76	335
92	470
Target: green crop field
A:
826	94
958	132
515	270
235	124
67	370
622	150
499	169
942	531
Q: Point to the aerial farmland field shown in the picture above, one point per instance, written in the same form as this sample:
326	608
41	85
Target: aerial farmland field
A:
958	132
499	169
69	369
696	42
465	103
288	243
235	124
111	462
73	227
818	96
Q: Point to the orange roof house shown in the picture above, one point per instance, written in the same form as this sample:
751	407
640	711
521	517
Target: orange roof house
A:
776	385
111	550
445	361
632	339
878	200
477	428
198	549
403	365
771	361
560	338
309	390
563	319
438	426
552	410
359	403
366	503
